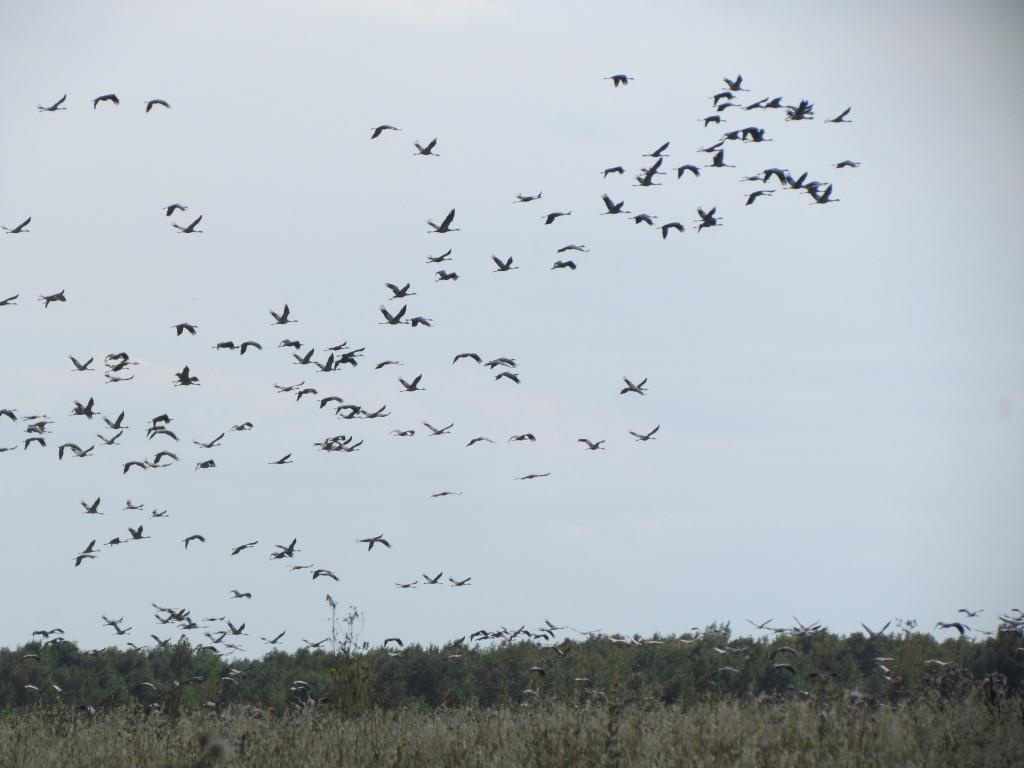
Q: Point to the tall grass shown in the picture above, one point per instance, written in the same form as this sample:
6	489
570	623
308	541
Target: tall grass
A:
735	734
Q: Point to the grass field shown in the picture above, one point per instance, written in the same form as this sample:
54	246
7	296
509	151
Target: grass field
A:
794	733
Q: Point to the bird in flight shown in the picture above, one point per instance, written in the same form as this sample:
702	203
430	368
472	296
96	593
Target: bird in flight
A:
631	387
528	198
554	215
111	97
841	117
381	128
412	386
620	79
427	150
646	437
283	318
18	230
190	229
156	103
55	106
591	445
378	539
445	226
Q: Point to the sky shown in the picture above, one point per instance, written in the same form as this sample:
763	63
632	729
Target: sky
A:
839	388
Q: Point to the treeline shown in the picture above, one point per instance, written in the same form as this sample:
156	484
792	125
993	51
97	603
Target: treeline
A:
681	670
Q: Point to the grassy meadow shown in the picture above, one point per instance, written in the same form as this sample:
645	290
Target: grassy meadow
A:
735	734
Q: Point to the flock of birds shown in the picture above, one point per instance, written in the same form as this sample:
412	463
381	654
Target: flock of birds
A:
161	440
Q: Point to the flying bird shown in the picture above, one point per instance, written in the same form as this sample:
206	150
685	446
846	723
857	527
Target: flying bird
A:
190	229
18	230
111	97
381	128
156	103
55	106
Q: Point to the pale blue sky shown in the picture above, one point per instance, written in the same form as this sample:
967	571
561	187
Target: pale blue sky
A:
840	388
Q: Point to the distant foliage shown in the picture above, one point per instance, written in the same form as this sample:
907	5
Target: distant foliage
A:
672	670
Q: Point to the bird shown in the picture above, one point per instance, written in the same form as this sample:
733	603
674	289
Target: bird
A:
615	169
847	164
243	547
274	640
734	85
325	573
427	150
508	375
503	266
190	229
644	218
136	533
9	301
412	386
445	226
91	509
533	476
156	103
286	459
527	436
564	265
620	79
248	345
55	106
466	355
395	319
841	117
208	464
194	537
821	198
707	219
111	97
591	445
283	318
554	215
18	230
378	539
573	247
381	128
528	198
47	300
476	440
185	378
399	293
181	328
440	494
438	259
434	580
871	633
459	582
969	613
81	366
754	195
170	209
666	228
649	436
612	206
212	444
406	585
631	387
434	431
958	626
660	151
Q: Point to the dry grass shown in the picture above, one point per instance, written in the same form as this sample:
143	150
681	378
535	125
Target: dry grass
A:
795	733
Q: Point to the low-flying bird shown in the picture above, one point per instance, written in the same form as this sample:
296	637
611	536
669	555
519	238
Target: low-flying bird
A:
381	128
427	150
55	106
18	230
445	226
156	103
111	97
958	626
190	229
646	437
273	641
